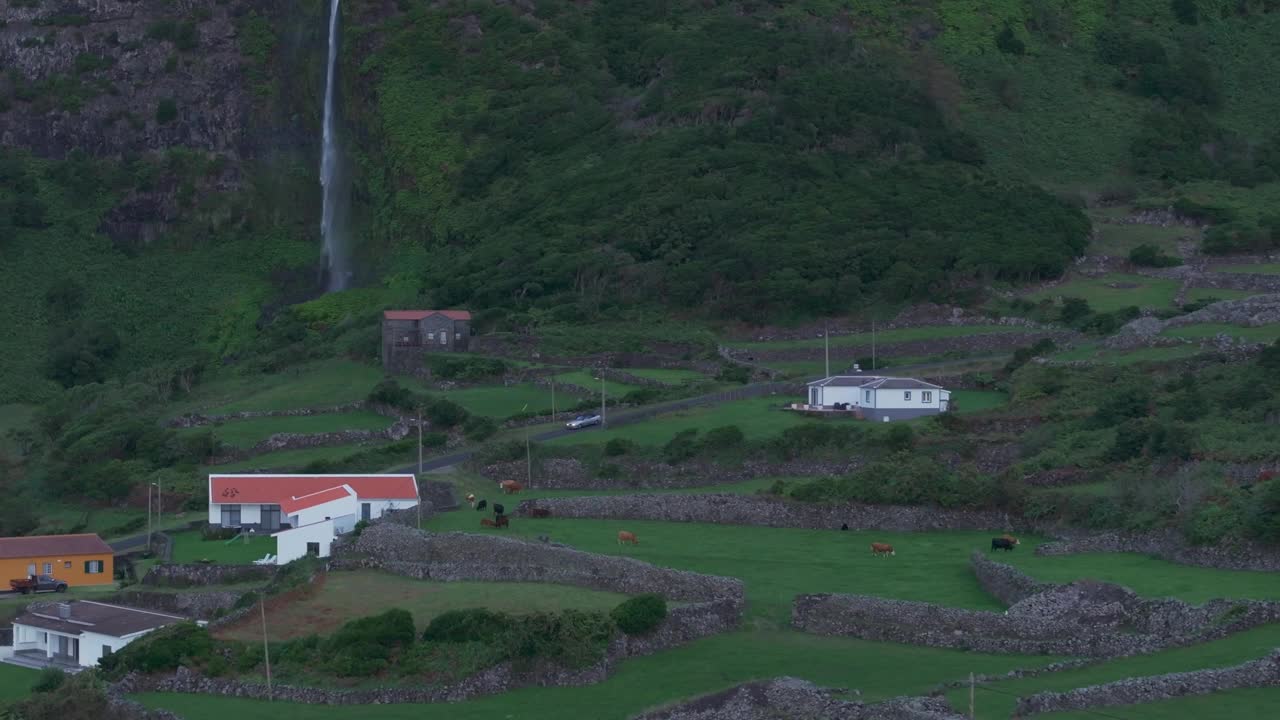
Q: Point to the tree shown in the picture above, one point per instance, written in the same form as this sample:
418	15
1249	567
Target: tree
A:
1009	43
1185	11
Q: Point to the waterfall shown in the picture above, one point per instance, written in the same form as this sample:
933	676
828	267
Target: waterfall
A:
332	177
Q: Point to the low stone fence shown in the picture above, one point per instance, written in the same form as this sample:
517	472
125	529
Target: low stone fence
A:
197	420
1170	545
191	575
573	474
766	511
989	342
299	441
798	699
1005	583
196	605
1264	672
1083	619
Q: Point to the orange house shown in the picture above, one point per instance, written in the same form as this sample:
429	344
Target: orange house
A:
74	559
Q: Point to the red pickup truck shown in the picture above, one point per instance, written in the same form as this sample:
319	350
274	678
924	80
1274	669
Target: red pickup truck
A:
38	584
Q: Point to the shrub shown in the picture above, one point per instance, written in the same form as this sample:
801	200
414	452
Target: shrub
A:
469	625
571	637
734	373
681	447
723	438
359	528
1009	43
640	614
391	629
48	680
1148	255
618	446
899	438
479	428
166	111
449	367
166	649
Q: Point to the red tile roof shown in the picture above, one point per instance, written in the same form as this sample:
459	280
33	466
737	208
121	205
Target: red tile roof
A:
420	314
279	489
294	504
53	546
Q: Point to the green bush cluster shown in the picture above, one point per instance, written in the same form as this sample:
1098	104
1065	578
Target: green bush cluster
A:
906	479
685	445
467	369
162	651
640	614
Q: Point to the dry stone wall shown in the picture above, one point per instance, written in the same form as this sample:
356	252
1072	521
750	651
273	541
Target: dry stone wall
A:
572	474
769	511
191	575
796	699
1004	582
1264	672
196	605
1170	545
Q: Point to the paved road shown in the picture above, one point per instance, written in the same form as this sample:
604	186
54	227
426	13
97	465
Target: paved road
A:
626	417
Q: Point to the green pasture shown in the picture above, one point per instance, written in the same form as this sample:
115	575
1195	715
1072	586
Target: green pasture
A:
997	699
190	547
1114	291
1251	268
320	384
756	417
880	670
1262	333
1128	357
502	402
673	376
340	596
883	337
101	521
250	431
15	682
1242	703
288	459
1118	239
583	378
465	482
1198	294
971	401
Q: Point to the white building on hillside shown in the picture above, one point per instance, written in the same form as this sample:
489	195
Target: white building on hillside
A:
878	398
74	635
305	512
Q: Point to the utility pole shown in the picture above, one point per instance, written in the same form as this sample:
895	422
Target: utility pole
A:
266	649
148	517
826	346
553	399
417	490
873	345
528	454
603	423
971	716
159	501
419	441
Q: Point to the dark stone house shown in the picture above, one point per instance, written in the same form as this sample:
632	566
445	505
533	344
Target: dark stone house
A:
407	335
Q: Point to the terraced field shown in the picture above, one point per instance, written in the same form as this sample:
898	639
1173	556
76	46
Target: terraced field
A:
1114	292
250	431
1263	334
884	337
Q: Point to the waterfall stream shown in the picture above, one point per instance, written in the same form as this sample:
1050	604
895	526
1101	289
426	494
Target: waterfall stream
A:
337	257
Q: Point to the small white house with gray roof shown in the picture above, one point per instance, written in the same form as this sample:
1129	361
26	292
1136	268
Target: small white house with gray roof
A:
877	397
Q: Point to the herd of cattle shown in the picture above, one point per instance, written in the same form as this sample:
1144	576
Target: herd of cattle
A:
1004	542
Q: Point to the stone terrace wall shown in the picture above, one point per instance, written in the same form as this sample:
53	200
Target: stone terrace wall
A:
464	556
572	474
1004	582
1170	545
796	699
1264	672
769	512
196	605
1079	620
181	576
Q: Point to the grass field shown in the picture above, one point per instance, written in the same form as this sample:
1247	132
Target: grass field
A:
15	682
1256	269
756	417
585	379
502	402
248	432
1197	294
1129	357
99	520
1263	333
1117	240
341	596
465	482
673	376
881	670
884	337
1115	291
995	700
288	459
188	547
322	384
971	401
1244	703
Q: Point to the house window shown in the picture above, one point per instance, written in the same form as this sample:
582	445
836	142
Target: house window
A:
926	396
868	396
906	396
66	565
93	567
48	568
457	335
107	650
270	517
431	336
444	338
31	569
230	516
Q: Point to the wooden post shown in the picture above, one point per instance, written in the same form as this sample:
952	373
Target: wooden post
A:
553	399
148	518
971	689
419	441
266	649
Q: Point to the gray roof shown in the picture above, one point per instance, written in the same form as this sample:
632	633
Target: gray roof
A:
95	617
874	382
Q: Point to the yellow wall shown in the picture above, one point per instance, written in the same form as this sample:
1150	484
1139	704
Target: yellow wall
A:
74	576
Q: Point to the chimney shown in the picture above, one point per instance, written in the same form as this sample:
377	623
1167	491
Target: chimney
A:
64	610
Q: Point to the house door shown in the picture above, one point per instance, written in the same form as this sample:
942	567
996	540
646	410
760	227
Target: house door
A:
366	511
67	647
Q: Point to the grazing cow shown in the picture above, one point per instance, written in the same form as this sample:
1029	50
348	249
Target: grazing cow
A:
625	537
844	526
486	522
510	487
502	521
498	509
1002	544
471	499
540	512
884	549
482	504
1011	539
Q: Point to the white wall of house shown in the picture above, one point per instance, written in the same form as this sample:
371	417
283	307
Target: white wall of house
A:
378	507
830	395
292	544
913	399
251	515
92	645
342	511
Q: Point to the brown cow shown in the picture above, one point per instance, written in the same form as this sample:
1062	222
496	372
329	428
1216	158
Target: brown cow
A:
1011	539
882	549
486	522
627	537
510	487
503	521
539	512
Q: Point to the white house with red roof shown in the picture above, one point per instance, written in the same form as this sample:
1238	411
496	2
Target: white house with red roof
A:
305	512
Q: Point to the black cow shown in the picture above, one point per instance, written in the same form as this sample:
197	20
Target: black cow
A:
482	504
844	526
498	509
1002	544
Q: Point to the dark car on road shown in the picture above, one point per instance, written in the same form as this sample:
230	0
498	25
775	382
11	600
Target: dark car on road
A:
583	421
